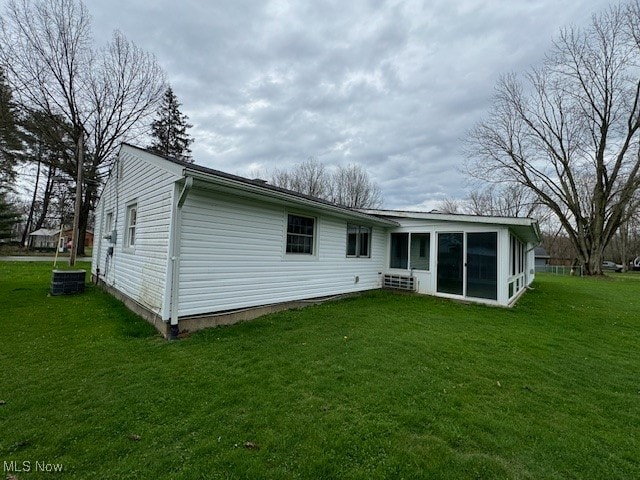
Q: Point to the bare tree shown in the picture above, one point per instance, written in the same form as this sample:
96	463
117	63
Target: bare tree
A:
451	205
309	178
569	130
348	186
504	200
102	96
352	187
508	200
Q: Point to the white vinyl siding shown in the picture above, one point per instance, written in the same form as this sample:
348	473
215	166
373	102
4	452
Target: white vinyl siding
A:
233	256
139	273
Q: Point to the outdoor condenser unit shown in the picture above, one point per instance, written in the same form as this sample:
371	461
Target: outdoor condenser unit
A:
66	282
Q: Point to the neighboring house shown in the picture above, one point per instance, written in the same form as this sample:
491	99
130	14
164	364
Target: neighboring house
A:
188	247
44	238
67	238
541	257
47	238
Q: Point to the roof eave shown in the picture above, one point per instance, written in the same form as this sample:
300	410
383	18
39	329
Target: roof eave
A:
287	197
514	223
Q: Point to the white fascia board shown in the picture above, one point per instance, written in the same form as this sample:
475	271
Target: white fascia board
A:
517	223
155	160
248	189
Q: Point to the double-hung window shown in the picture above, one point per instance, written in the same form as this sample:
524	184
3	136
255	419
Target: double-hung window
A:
108	224
132	220
300	234
358	241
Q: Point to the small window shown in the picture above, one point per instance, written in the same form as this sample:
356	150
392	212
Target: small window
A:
358	241
108	224
300	234
132	219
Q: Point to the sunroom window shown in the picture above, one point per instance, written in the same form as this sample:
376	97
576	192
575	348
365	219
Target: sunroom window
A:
420	250
399	257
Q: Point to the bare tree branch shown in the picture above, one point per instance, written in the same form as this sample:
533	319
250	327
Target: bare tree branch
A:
569	130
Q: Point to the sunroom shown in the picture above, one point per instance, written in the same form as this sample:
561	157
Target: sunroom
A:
481	259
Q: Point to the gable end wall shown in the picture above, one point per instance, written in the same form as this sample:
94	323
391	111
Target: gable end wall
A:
138	272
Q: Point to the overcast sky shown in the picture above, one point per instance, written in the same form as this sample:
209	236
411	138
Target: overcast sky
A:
392	86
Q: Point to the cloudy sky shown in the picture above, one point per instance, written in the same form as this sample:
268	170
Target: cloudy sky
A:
390	85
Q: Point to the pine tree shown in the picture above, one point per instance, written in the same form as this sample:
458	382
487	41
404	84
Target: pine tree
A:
169	129
9	136
8	217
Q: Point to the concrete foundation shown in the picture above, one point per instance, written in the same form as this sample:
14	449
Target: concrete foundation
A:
199	322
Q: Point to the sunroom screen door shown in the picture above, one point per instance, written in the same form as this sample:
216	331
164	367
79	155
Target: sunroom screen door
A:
482	265
450	263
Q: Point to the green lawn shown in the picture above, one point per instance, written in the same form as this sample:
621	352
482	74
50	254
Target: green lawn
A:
380	386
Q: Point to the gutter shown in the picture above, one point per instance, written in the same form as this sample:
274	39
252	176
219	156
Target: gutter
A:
286	196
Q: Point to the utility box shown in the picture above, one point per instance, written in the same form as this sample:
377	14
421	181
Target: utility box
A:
67	282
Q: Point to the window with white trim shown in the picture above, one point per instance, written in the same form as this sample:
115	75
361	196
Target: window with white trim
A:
132	220
420	249
517	256
300	234
108	224
358	241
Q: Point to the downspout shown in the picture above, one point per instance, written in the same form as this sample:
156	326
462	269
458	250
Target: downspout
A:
175	257
97	251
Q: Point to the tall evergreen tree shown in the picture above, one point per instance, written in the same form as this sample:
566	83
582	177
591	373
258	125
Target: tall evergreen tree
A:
9	136
9	146
8	216
169	129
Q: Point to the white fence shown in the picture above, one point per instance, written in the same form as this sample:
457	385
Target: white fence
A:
560	270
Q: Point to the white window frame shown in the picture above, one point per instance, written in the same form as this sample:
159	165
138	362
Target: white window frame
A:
313	236
424	251
108	224
131	228
360	230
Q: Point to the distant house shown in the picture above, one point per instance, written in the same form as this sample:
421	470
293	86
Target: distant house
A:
541	257
50	239
188	247
44	238
67	238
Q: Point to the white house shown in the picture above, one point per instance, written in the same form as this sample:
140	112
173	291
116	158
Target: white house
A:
44	238
188	247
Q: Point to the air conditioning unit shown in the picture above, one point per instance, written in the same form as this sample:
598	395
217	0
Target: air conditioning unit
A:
66	282
399	282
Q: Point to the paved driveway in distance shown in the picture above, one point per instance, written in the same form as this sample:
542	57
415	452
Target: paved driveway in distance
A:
37	258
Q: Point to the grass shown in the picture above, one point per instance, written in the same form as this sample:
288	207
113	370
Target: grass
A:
380	386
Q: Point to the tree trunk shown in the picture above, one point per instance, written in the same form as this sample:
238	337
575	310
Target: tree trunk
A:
25	233
624	245
85	210
46	198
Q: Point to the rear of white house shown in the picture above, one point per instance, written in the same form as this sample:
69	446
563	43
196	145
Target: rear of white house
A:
187	246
